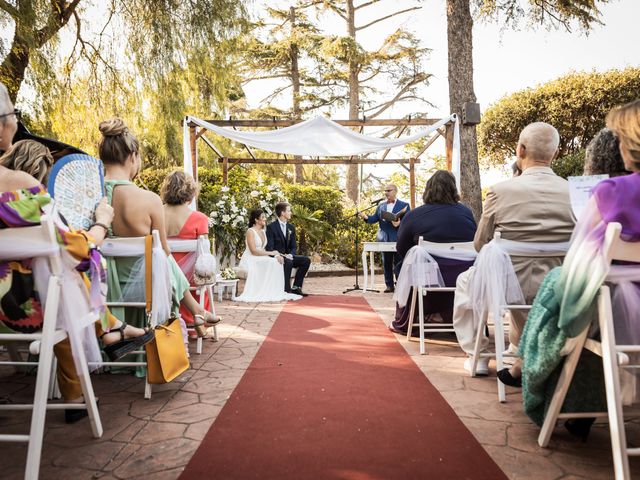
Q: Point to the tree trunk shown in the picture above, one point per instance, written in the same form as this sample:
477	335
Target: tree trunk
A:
352	182
294	53
27	38
15	64
460	46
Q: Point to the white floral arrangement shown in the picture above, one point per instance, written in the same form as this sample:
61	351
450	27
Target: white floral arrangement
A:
228	274
229	218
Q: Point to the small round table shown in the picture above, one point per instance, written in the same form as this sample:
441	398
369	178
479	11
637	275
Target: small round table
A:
223	285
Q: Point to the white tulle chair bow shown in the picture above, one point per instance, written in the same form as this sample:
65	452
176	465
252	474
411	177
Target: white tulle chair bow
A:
421	272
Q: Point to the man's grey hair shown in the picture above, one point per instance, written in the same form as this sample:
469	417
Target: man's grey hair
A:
5	101
541	141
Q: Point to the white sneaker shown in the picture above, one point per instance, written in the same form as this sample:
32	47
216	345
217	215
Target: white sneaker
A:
511	350
482	368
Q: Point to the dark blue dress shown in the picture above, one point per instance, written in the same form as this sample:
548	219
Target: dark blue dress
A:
441	223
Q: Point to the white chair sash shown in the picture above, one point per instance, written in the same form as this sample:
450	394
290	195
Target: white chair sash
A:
453	254
419	269
134	289
74	315
198	262
625	303
494	282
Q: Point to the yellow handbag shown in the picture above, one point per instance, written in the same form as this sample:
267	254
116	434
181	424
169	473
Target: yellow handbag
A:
166	354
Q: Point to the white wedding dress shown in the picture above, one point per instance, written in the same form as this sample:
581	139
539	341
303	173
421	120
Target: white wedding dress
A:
265	275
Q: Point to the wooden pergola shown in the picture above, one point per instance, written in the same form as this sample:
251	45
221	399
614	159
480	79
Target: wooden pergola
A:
196	133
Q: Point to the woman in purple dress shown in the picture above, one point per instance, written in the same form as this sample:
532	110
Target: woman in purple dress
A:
561	307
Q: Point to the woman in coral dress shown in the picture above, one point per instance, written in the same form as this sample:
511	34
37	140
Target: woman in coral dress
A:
181	223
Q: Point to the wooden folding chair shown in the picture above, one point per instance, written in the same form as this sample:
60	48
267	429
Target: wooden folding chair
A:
200	290
42	343
420	291
498	318
614	358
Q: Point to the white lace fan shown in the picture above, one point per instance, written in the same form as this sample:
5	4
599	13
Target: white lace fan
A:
76	182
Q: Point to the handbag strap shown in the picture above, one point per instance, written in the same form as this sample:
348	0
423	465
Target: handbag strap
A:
148	244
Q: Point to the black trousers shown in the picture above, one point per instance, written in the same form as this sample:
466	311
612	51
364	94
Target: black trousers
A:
387	263
299	262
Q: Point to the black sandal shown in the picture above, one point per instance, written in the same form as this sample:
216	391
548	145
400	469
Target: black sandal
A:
119	349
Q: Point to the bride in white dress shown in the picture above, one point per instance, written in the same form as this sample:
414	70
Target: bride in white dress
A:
265	271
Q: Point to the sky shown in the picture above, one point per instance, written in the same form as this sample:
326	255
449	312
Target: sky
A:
505	61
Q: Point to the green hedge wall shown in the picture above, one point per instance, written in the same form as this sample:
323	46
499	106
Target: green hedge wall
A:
323	222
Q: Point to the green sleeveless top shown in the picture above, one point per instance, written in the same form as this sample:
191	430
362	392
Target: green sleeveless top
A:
120	268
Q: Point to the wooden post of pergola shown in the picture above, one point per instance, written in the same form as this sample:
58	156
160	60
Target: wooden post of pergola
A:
448	140
230	162
193	148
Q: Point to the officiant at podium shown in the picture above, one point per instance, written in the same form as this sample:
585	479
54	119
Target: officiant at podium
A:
388	216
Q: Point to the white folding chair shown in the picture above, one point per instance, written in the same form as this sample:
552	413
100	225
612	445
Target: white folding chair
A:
200	290
614	358
42	343
466	249
135	246
498	318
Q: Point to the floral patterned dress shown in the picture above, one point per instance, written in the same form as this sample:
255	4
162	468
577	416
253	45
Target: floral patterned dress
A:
20	308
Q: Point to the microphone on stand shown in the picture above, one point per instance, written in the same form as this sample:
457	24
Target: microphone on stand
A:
376	202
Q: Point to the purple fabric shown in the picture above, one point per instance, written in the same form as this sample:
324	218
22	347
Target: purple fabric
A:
619	201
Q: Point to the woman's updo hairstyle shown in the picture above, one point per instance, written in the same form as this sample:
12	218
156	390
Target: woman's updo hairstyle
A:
254	215
178	188
117	143
31	157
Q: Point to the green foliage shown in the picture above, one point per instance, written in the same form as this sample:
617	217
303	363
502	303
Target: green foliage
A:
550	13
342	243
147	62
328	200
575	104
318	212
570	165
312	231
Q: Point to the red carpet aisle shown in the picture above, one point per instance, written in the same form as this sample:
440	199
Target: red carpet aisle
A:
332	395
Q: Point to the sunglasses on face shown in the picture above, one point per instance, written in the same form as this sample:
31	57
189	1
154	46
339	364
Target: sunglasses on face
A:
389	190
15	112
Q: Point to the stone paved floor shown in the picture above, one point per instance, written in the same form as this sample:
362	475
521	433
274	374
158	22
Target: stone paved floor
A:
155	438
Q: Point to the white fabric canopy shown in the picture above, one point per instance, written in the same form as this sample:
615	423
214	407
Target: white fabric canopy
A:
320	136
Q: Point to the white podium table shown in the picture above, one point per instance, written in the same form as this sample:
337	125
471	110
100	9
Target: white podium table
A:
371	248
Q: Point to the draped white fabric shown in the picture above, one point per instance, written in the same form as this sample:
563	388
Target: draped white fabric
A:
625	302
419	269
74	315
134	290
319	136
198	264
451	253
625	305
494	281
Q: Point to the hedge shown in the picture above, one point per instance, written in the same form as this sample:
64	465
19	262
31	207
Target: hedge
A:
324	224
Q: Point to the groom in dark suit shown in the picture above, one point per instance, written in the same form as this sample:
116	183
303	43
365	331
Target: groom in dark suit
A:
281	236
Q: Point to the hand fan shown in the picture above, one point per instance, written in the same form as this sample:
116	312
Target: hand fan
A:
76	182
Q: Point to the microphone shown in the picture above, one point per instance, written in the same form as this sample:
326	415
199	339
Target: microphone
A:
376	202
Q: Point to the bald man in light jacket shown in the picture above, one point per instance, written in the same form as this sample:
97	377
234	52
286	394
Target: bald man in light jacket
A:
534	207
